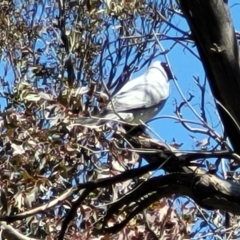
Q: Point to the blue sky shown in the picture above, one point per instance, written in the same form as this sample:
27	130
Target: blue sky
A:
184	66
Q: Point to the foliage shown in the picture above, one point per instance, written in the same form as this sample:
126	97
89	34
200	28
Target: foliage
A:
61	61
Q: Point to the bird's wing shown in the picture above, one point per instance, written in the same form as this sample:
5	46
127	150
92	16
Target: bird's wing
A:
143	92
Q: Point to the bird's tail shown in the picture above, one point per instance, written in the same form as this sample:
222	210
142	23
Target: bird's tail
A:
101	119
93	122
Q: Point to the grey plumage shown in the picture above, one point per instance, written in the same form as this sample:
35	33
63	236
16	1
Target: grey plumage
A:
138	100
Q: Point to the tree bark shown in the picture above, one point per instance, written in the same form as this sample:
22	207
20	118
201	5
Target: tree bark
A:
212	29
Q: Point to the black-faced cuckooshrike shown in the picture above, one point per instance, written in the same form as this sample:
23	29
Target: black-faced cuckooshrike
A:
140	99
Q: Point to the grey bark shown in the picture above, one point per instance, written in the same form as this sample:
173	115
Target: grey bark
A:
212	29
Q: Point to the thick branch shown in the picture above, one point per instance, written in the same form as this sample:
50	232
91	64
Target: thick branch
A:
213	32
207	190
10	233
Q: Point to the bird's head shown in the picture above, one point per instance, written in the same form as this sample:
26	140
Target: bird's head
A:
167	70
162	66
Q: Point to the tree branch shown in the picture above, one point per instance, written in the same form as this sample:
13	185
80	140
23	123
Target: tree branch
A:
215	38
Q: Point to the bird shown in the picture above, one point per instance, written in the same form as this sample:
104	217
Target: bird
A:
139	100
